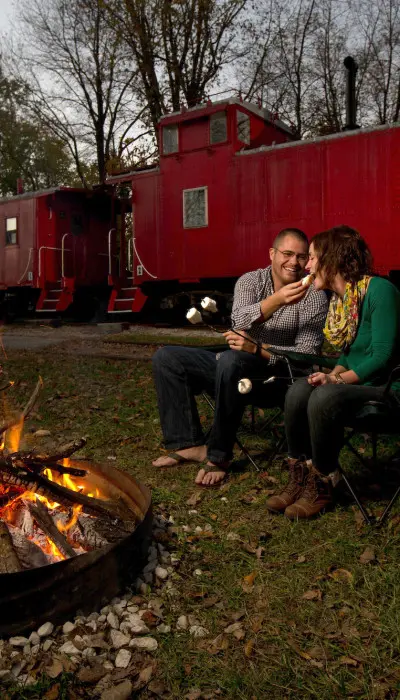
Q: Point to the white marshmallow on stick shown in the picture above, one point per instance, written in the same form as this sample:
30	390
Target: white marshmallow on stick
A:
209	304
194	316
245	386
307	280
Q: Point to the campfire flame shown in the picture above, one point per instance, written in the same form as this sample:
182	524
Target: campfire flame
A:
11	442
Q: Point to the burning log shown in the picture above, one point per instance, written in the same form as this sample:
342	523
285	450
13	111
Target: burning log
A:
29	554
94	533
65	451
53	491
46	524
9	563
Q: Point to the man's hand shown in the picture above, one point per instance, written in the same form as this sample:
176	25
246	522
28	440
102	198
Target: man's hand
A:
238	342
291	293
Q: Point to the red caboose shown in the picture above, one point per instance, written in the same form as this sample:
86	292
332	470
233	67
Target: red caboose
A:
230	177
54	248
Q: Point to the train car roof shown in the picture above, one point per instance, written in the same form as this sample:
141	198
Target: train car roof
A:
42	193
207	108
319	139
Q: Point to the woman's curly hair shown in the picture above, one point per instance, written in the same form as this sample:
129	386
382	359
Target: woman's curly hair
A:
342	250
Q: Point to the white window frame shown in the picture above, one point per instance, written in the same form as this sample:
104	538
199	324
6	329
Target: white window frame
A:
174	127
215	117
12	230
196	189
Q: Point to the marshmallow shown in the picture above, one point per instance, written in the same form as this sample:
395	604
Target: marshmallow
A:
245	386
306	281
209	304
194	316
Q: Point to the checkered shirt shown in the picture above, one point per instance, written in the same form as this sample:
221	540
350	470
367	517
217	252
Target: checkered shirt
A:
292	327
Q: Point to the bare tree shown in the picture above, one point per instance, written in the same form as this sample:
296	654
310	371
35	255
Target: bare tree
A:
81	78
377	24
179	48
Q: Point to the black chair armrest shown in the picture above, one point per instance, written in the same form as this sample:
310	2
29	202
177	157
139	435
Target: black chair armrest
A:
303	359
395	374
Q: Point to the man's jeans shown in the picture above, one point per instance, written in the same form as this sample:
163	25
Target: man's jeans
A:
315	419
182	373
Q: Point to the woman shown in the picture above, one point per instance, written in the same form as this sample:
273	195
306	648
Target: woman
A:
364	323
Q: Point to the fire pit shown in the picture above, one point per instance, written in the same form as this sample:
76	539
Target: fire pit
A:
82	581
71	533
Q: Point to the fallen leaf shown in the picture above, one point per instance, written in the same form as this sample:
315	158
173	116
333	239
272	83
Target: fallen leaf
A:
195	498
55	669
314	594
248	647
244	476
301	559
238	615
157	688
211	601
347	661
304	654
145	674
218	644
249	580
235	626
257	622
368	556
214	516
53	693
193	694
341	575
91	675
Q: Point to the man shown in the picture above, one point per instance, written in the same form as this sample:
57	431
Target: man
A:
270	306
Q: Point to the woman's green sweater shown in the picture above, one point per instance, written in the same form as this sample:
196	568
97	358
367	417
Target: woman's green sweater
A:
376	348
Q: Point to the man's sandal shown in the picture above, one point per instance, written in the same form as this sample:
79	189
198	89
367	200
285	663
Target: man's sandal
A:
179	459
216	468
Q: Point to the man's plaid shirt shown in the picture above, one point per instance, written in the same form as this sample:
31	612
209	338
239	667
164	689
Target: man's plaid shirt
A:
292	327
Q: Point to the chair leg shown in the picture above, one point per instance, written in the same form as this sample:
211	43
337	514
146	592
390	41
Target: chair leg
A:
368	519
247	454
388	508
238	442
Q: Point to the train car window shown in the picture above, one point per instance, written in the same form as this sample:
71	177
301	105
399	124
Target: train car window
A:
170	139
243	126
11	230
195	207
218	128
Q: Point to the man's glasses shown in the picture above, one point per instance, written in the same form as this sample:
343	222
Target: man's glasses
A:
287	254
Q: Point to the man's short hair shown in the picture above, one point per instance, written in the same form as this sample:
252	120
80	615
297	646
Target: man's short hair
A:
296	232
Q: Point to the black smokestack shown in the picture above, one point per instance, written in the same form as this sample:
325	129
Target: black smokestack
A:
351	103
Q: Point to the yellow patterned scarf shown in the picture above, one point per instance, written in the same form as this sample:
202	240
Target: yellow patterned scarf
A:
344	314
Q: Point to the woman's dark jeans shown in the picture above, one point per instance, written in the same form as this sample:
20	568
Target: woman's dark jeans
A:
182	373
315	418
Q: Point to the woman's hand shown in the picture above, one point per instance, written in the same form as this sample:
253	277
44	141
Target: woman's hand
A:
320	378
240	342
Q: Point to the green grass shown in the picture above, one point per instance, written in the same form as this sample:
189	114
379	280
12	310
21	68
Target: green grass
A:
344	643
154	339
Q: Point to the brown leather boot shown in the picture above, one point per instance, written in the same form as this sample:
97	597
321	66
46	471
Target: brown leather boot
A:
315	498
298	472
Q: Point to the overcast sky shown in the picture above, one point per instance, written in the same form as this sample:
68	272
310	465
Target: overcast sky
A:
6	12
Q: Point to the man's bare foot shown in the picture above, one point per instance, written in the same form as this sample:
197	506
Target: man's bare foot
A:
210	478
189	454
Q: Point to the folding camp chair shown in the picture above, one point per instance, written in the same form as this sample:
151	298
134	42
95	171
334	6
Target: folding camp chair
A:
376	418
259	402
